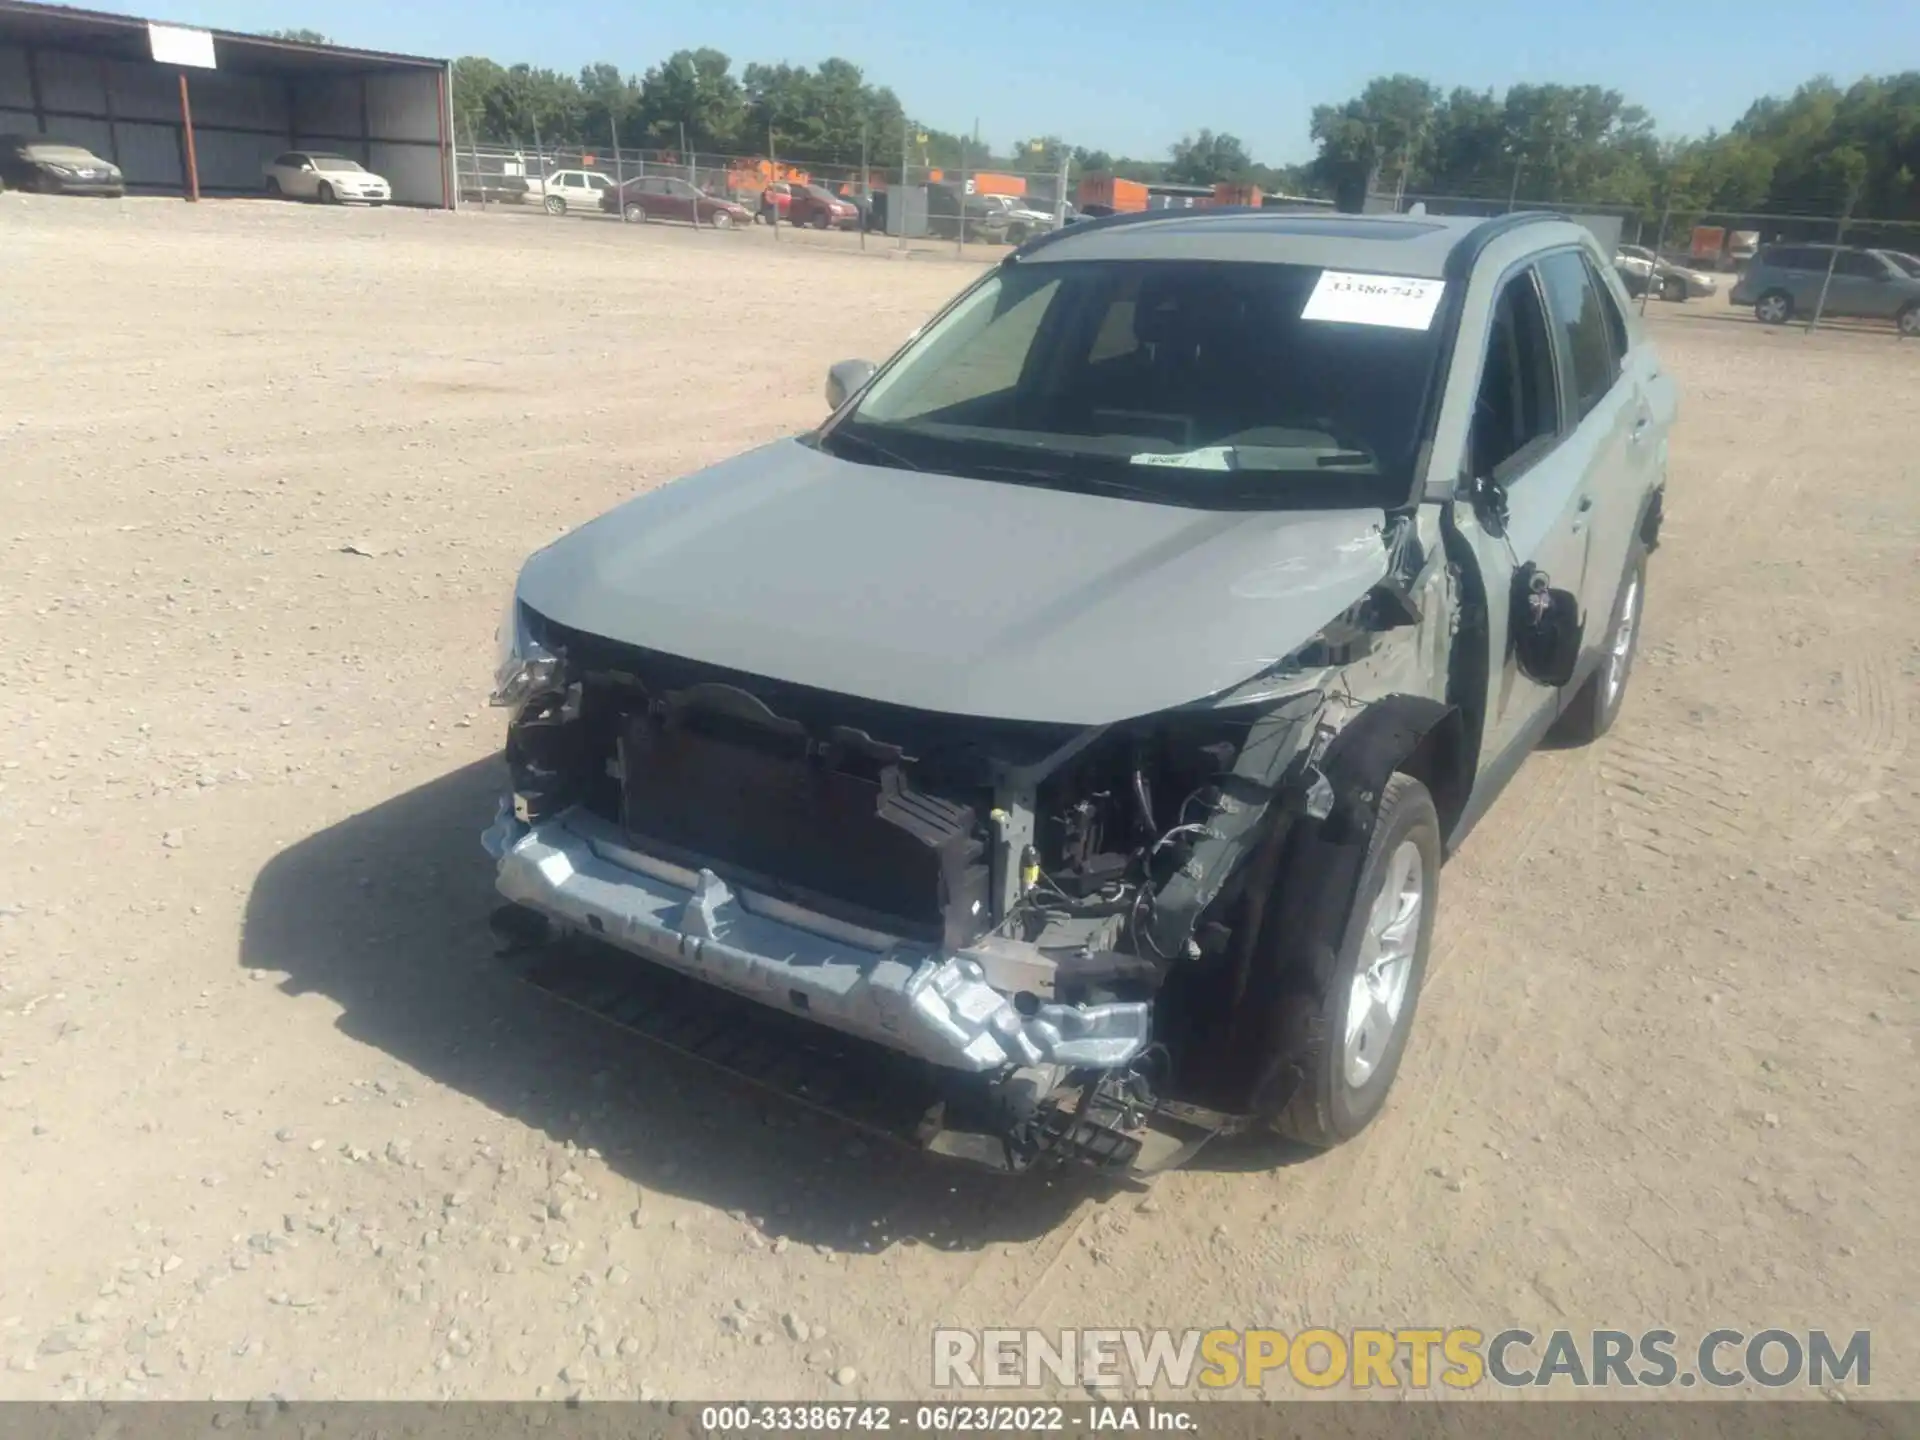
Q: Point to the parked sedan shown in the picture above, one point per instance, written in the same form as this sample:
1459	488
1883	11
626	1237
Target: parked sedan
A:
1642	270
330	179
667	197
56	167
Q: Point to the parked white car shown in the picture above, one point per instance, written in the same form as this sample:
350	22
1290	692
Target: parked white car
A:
330	179
564	188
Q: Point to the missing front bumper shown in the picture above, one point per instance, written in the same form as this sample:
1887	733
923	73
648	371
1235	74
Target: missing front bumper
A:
581	873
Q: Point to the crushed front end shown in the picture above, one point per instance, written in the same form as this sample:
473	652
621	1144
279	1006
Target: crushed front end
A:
1023	935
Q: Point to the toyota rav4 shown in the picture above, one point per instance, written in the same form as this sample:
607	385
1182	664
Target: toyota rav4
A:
1052	756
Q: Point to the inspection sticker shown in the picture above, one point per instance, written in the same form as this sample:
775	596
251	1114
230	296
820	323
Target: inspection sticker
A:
1398	301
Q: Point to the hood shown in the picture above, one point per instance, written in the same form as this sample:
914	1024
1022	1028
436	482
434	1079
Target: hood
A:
941	593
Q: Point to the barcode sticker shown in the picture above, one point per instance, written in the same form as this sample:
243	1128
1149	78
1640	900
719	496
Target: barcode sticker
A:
1398	301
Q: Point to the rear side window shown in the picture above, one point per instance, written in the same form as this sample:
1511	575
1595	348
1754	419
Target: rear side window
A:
1578	312
1859	264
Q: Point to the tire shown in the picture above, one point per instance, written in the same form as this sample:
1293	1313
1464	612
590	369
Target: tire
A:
1673	288
1345	1078
823	221
760	216
1596	705
1773	308
273	188
554	205
1908	322
721	220
326	194
1017	235
634	214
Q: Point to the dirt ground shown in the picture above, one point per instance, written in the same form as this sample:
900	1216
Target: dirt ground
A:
276	1123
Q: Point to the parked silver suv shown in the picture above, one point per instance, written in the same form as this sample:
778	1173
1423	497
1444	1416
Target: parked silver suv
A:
1785	280
1052	755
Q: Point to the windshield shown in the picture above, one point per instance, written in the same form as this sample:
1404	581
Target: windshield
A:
1197	383
1907	264
338	163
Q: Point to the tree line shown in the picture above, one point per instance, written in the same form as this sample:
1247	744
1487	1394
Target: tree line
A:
1812	152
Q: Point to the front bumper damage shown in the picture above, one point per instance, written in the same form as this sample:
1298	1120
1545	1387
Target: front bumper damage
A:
580	873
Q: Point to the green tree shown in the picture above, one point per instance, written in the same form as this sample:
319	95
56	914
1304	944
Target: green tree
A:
1207	157
698	89
302	37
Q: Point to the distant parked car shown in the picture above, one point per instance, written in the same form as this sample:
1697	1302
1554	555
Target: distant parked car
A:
330	179
1786	280
564	188
667	197
1641	270
56	167
820	208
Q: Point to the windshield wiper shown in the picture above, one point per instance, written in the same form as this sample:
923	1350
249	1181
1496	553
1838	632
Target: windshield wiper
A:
1059	480
874	448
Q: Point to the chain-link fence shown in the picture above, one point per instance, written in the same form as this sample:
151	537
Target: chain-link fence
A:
1800	268
905	200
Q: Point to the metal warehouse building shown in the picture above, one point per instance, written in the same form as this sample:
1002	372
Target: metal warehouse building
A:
217	106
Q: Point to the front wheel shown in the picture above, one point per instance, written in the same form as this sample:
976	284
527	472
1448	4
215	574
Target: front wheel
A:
1908	321
823	221
556	206
722	220
327	195
273	187
1773	308
634	215
1596	705
1673	288
1354	1033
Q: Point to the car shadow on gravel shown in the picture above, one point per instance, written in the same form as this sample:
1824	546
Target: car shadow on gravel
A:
386	914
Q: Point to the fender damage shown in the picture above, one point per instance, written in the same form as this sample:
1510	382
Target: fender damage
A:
1062	937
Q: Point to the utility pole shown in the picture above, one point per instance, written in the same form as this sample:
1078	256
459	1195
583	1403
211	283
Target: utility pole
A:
1513	191
866	187
900	219
685	159
1833	258
1060	195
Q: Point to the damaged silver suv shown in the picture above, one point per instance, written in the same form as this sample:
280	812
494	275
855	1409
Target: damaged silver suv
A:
1052	756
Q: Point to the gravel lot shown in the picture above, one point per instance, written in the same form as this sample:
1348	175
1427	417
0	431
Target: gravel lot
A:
275	1122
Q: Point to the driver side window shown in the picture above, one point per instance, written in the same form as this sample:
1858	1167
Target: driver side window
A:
1516	415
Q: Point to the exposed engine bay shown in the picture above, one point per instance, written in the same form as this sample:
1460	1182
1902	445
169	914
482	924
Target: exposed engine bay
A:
1069	915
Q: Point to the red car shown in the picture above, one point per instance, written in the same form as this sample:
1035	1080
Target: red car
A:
813	205
667	197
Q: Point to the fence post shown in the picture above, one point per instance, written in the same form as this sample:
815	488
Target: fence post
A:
479	180
901	218
1833	258
1659	242
866	187
960	230
773	173
1060	195
619	167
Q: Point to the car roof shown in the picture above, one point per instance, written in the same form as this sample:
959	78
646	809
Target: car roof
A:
1414	245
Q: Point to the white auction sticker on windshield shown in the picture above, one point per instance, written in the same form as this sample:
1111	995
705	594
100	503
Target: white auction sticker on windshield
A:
1398	301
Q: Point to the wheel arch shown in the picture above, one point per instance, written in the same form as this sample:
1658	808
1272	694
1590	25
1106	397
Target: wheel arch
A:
1308	871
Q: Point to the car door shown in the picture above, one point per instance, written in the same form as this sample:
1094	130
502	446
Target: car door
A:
1869	289
1521	459
1608	426
681	199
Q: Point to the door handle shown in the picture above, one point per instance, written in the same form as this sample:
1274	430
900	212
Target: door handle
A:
1580	512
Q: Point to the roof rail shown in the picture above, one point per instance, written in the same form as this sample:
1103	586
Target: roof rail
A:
1132	217
1460	261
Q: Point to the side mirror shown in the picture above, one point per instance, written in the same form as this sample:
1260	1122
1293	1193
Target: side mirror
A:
1545	628
844	379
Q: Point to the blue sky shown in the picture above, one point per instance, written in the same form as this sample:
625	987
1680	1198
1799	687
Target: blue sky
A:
1130	76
